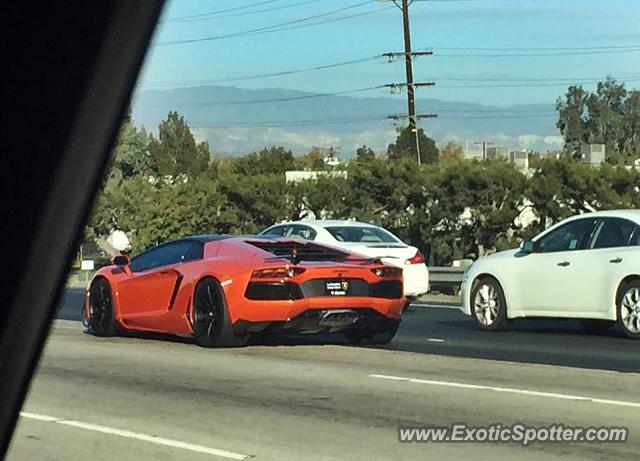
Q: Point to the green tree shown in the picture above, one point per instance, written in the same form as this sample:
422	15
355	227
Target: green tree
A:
403	147
272	160
131	153
609	116
605	123
176	152
260	200
325	197
311	161
572	113
451	151
365	153
631	118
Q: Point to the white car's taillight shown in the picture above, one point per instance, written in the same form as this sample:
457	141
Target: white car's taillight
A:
417	259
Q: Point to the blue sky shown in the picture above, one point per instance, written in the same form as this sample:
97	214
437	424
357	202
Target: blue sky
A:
499	26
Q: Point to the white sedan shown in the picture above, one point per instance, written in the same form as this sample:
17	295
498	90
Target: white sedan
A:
367	240
586	267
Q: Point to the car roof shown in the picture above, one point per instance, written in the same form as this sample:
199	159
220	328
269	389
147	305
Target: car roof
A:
328	223
630	214
204	238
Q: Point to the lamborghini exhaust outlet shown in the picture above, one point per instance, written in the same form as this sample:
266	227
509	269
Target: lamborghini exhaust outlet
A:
338	318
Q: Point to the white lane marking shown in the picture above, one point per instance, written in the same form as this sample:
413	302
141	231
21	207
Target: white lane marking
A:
49	419
552	395
136	435
435	340
437	306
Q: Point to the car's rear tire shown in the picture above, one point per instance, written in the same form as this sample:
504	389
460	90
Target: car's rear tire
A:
596	325
488	305
100	319
407	304
628	309
373	336
211	321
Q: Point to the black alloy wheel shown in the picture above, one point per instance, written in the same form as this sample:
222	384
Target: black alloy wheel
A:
100	320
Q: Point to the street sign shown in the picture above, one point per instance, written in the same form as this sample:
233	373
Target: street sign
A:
87	265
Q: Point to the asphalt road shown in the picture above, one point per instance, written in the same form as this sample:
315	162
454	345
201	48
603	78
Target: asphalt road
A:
304	398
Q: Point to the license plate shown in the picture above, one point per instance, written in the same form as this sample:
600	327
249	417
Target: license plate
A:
337	288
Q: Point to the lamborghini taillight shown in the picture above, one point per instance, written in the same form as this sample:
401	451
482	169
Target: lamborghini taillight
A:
277	273
387	272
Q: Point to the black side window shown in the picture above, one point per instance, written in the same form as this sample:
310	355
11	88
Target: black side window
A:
164	255
147	260
612	233
635	238
278	230
571	236
304	232
195	250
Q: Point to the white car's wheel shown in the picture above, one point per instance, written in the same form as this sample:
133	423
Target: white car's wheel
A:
629	309
488	305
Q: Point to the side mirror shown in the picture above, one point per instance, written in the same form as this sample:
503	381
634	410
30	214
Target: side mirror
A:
527	246
121	260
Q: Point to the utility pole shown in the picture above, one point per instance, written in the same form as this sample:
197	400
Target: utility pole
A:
408	61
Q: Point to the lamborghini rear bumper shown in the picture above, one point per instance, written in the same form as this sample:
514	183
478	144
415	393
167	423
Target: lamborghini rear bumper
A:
321	321
286	310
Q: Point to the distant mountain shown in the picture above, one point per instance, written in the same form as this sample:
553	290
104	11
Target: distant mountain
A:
230	120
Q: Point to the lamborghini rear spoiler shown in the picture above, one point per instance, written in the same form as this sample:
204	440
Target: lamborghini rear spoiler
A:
300	250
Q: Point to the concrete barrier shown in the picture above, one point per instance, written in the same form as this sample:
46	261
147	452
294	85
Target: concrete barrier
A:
446	279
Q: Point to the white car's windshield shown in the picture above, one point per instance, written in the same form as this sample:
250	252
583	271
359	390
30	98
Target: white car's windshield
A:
362	234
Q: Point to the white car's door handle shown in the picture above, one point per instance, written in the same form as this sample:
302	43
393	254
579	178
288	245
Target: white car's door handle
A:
564	263
615	261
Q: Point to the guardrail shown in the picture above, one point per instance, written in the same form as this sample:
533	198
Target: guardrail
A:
446	279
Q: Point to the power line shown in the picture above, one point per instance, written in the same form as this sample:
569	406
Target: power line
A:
264	101
535	85
226	10
272	74
530	55
533	79
325	21
537	48
264	29
298	122
246	13
360	119
491	117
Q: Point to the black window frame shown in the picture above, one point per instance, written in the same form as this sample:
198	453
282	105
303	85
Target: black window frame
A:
601	223
269	229
635	236
196	245
373	229
312	231
581	246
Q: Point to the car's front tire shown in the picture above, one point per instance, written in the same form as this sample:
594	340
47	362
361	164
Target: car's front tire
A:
211	321
488	305
100	318
628	307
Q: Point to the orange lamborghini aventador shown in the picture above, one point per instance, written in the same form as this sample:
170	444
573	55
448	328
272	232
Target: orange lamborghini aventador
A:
222	289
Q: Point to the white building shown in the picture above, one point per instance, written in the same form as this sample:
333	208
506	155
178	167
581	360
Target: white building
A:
520	158
300	175
593	154
497	153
